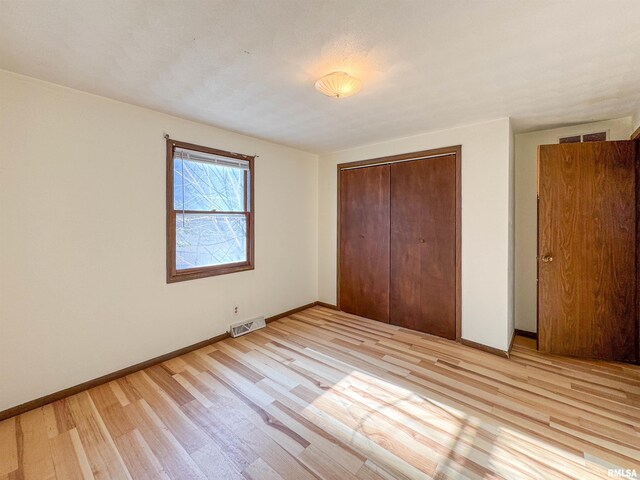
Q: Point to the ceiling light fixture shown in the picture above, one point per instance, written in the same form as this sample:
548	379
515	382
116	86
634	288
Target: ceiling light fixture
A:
338	85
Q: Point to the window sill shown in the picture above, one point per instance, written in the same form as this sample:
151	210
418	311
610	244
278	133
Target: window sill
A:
193	273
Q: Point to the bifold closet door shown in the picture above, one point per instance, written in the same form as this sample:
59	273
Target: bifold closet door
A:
364	242
423	245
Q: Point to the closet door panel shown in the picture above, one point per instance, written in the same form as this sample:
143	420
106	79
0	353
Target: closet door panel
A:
364	242
423	246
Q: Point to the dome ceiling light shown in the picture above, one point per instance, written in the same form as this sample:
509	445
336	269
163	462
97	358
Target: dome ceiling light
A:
338	85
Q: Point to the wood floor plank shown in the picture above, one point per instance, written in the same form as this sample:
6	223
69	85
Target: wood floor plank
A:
238	453
81	454
215	464
325	394
138	457
254	439
260	470
169	452
34	453
8	447
64	457
104	457
165	407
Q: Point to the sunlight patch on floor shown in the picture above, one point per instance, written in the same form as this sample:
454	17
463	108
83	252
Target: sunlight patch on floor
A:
458	434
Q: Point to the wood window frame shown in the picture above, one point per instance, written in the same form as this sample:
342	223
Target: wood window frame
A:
175	275
456	151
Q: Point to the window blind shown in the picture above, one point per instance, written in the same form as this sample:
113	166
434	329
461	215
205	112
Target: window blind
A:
193	156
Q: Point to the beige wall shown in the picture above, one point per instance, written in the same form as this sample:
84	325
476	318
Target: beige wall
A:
82	189
635	122
485	221
526	207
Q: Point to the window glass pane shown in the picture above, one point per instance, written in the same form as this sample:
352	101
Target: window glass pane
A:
595	137
207	240
574	139
205	187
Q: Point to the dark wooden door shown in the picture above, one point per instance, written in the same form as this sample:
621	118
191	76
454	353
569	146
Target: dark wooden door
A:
586	250
364	242
423	245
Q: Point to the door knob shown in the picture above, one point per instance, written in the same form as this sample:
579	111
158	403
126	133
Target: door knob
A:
547	258
421	240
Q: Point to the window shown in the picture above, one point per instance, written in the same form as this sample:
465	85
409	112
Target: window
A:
589	137
573	139
209	212
595	137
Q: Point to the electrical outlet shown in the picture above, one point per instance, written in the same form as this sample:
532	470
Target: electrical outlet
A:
235	310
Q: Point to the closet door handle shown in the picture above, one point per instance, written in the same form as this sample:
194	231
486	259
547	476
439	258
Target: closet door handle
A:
421	240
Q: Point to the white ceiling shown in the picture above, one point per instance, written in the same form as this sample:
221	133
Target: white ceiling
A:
250	65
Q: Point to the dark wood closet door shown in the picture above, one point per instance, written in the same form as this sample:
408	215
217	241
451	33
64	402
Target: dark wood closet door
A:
423	245
586	250
364	242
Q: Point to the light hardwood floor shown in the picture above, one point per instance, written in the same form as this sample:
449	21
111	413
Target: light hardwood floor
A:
323	394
